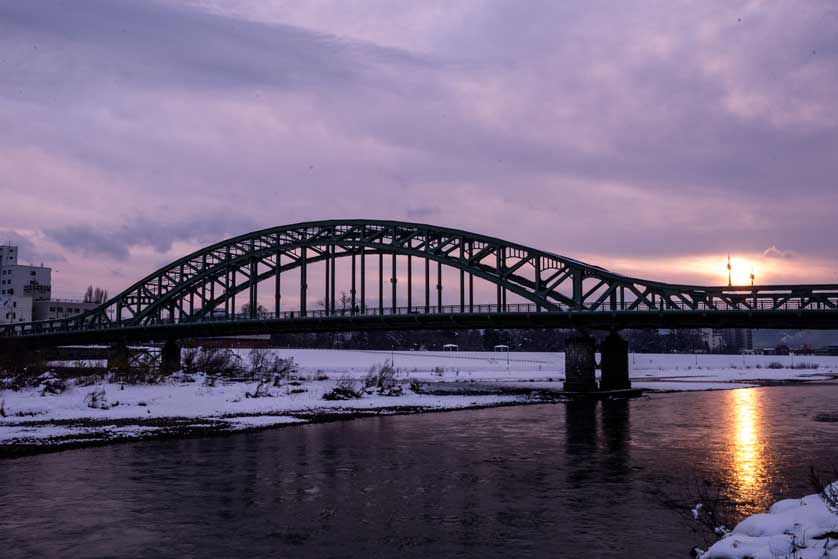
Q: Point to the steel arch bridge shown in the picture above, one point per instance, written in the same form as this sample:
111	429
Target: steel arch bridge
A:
197	294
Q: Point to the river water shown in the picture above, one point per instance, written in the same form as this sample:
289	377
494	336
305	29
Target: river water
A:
561	480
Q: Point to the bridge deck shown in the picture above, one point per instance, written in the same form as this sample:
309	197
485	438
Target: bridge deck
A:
524	316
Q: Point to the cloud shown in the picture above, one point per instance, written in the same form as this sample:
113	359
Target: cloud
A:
133	131
116	242
89	241
30	247
12	237
422	212
774	252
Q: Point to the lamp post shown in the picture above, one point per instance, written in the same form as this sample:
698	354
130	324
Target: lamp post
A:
729	271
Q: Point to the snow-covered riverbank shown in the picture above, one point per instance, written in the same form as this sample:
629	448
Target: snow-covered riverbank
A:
804	528
191	405
676	372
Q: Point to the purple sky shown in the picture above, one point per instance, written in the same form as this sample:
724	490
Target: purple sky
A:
651	138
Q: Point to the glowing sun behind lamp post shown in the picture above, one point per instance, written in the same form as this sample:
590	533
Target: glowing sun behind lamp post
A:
737	272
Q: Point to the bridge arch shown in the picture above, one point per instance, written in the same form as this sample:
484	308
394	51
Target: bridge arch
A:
261	255
194	288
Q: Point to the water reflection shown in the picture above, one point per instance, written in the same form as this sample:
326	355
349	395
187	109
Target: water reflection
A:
617	434
750	476
576	480
597	432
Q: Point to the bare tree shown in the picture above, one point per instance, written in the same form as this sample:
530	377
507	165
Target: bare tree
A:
342	304
95	295
260	310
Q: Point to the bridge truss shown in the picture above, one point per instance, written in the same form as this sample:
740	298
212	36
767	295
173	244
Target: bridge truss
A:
205	286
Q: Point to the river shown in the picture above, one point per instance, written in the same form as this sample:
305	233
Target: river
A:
561	480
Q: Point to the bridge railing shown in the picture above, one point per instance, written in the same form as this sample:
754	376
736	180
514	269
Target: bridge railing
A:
740	304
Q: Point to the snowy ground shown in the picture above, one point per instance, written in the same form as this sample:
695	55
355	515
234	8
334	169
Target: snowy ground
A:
794	528
138	411
647	371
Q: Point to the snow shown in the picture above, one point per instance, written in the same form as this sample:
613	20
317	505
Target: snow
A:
194	399
15	434
535	366
28	413
261	420
800	528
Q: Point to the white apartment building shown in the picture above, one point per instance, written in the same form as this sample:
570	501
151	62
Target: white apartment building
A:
23	281
25	292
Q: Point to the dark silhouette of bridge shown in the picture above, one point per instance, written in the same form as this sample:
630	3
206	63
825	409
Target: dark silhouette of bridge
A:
422	277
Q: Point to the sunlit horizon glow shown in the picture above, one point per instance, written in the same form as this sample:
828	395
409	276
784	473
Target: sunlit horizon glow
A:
711	269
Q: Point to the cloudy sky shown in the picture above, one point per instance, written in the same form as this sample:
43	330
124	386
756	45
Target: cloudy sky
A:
651	138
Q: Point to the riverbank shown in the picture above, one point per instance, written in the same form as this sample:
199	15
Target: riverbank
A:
86	413
805	528
189	406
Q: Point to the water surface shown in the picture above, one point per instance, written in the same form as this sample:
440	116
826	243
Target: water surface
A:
563	480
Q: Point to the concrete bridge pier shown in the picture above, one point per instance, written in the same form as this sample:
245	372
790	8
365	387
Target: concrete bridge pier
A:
170	357
615	363
580	364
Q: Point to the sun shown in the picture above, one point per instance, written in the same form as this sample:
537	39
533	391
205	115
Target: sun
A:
741	270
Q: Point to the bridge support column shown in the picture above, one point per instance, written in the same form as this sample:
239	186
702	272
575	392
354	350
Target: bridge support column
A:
118	357
170	357
580	364
615	363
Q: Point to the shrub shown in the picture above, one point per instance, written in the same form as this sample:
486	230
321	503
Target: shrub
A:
828	492
706	504
346	389
212	361
262	391
774	365
282	369
97	399
805	366
48	383
259	360
382	378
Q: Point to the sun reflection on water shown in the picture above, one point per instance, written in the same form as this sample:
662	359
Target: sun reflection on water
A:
749	461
